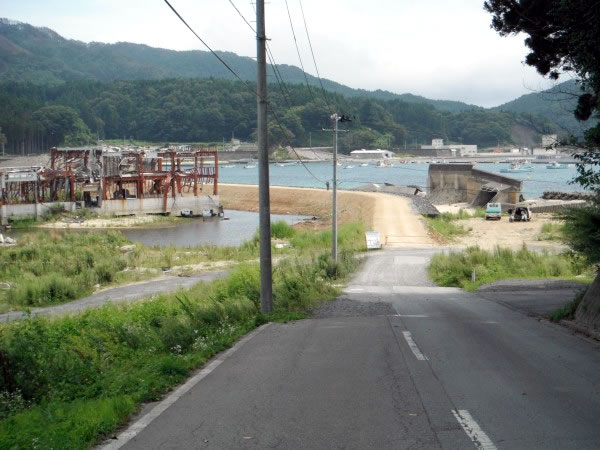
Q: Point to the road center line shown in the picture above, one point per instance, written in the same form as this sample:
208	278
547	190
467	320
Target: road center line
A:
135	428
409	340
477	435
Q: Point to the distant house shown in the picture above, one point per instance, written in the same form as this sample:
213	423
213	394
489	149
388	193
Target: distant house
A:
371	154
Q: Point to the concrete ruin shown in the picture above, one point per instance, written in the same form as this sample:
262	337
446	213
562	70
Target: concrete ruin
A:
162	181
458	183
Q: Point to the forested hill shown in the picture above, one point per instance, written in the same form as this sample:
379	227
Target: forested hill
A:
556	104
41	56
34	117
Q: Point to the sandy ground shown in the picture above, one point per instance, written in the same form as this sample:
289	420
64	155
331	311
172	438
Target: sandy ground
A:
490	233
391	215
114	222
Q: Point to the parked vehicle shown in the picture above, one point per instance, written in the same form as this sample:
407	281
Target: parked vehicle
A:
519	214
493	211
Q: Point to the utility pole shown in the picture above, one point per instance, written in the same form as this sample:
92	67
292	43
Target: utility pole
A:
310	139
264	207
334	241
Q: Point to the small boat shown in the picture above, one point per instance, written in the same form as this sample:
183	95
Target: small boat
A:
364	165
382	164
556	165
250	166
280	164
349	167
527	163
516	168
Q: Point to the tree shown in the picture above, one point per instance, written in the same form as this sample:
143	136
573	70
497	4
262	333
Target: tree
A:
563	37
62	125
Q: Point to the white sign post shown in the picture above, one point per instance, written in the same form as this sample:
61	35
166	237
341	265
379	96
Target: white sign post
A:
373	239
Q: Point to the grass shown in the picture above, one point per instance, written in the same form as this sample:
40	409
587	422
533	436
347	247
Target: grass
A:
67	382
457	268
567	312
444	227
48	268
551	232
51	267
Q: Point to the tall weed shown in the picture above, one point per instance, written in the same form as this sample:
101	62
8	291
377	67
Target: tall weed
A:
458	268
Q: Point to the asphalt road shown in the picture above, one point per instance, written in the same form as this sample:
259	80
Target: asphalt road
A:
119	294
394	363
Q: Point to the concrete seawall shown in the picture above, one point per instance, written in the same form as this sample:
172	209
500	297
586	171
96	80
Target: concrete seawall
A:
454	183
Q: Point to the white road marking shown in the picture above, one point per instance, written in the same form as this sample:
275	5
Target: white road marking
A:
479	438
409	340
355	290
135	428
411	315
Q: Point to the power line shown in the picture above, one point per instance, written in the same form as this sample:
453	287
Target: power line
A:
204	43
298	50
314	59
281	86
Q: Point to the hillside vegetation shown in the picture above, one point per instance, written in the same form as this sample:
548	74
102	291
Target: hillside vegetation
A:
34	117
556	104
42	56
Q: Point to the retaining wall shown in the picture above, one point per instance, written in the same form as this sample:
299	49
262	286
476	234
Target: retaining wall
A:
462	183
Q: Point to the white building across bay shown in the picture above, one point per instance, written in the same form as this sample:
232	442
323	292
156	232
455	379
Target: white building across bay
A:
371	154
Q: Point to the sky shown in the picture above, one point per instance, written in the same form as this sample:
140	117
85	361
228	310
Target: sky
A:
440	49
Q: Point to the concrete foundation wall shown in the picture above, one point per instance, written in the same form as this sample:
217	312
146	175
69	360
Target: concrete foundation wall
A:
126	207
452	183
36	210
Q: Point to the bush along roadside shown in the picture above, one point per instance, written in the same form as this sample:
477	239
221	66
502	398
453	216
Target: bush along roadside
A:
567	312
472	267
67	382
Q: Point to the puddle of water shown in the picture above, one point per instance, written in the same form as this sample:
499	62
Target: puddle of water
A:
240	227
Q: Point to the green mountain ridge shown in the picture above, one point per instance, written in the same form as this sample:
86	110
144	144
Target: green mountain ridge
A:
556	104
41	56
55	90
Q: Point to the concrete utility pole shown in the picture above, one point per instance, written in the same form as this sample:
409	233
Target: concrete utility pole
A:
334	240
264	207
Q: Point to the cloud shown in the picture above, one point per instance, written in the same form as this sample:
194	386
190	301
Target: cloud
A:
436	48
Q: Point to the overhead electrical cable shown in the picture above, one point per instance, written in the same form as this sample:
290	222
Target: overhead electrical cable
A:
315	60
298	50
281	127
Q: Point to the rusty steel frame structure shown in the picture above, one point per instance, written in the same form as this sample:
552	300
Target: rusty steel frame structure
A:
153	174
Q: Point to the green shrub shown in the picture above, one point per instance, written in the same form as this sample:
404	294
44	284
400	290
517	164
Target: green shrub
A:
568	311
282	230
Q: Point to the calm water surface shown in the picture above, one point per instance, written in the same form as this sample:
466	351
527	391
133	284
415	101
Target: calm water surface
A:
536	182
240	227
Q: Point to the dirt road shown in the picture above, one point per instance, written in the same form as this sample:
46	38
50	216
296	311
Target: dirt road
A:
391	215
491	233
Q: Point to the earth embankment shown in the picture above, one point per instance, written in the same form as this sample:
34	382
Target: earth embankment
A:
391	215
